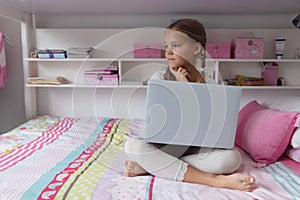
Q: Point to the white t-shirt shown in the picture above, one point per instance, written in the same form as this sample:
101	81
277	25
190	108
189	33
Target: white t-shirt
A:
159	75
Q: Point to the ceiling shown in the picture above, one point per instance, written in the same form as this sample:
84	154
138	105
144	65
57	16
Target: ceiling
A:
156	6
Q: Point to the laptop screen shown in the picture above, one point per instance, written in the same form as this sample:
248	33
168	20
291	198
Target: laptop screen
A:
191	114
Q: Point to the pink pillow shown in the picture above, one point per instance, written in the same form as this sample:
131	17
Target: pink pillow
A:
264	133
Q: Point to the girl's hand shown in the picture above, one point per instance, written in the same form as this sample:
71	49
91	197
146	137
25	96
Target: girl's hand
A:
181	74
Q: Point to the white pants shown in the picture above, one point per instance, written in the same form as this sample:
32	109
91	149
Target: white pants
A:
170	161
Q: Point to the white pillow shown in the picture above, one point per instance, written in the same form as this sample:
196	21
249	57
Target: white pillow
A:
287	103
295	141
293	153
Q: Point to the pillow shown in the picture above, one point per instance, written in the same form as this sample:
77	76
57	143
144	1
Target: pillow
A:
264	133
295	141
285	103
293	153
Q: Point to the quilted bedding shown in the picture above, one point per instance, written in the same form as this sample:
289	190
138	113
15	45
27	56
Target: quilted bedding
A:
82	158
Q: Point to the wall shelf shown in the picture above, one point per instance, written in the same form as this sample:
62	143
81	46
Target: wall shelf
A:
156	60
270	87
126	63
95	59
145	86
85	86
255	60
110	48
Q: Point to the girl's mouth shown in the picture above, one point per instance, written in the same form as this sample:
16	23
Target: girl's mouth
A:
171	59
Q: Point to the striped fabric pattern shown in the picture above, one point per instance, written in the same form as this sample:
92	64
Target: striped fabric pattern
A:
72	158
16	155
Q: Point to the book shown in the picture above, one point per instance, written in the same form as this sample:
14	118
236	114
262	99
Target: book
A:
50	53
79	52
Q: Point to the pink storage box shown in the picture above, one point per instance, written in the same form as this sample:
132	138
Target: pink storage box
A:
147	50
247	48
218	50
98	79
270	74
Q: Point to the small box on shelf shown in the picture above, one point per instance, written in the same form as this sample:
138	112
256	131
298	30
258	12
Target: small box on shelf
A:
101	76
270	73
101	79
218	50
248	48
147	50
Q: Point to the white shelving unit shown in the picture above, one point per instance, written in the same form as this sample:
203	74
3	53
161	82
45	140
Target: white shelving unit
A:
159	63
115	46
130	69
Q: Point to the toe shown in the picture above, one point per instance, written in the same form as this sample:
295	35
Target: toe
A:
251	180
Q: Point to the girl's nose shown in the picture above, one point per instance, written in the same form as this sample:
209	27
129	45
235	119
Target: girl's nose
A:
169	52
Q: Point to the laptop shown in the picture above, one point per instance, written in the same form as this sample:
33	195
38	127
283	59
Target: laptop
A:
191	114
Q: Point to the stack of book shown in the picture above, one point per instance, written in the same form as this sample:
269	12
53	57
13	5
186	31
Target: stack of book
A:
102	76
47	80
49	53
79	52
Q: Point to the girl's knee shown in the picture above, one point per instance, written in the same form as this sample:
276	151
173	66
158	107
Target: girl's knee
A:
133	145
231	161
138	146
236	156
227	161
217	161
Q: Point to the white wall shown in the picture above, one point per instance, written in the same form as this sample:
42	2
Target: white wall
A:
11	98
11	13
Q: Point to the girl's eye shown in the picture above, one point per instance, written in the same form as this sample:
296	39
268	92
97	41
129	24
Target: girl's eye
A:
172	46
176	45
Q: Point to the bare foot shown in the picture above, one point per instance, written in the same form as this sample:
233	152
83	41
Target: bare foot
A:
134	169
237	181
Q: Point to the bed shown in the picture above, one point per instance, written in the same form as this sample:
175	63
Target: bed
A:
82	158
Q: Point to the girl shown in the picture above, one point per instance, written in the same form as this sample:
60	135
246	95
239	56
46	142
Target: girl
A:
185	41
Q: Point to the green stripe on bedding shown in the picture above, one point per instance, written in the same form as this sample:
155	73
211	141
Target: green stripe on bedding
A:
39	185
289	173
81	184
284	177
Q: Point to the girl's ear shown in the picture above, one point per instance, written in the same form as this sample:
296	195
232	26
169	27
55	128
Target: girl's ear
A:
198	48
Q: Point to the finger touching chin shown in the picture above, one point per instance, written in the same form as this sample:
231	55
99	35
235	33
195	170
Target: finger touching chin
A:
174	67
